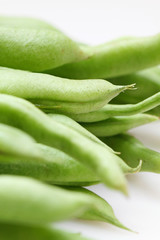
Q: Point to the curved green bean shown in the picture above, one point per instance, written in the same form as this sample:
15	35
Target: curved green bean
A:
49	92
20	155
25	116
25	232
28	201
65	120
116	125
149	78
132	150
117	58
103	212
72	124
37	49
112	110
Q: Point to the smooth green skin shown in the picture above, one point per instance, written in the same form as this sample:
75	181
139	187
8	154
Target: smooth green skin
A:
116	58
20	155
14	142
103	211
112	110
132	150
25	116
76	126
116	125
65	120
49	92
149	78
28	201
19	232
37	49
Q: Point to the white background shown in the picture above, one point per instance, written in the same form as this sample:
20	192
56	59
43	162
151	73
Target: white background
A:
94	22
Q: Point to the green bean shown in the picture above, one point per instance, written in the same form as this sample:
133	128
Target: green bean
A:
19	232
116	125
10	141
112	110
117	58
20	155
29	201
103	213
132	150
49	92
37	49
65	120
25	116
71	123
149	78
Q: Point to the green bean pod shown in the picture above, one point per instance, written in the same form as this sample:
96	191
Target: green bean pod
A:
149	78
25	232
116	125
72	124
50	93
37	48
116	58
69	122
28	201
103	212
112	110
21	155
132	150
25	116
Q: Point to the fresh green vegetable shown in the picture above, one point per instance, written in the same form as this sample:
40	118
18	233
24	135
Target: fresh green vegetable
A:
28	201
49	92
19	232
116	125
112	110
25	116
116	58
132	150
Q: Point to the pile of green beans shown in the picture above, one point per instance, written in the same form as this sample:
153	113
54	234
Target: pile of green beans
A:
65	109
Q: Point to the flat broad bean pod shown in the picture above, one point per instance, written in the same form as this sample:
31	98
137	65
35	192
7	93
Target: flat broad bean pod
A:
25	232
28	201
132	150
116	125
37	49
20	155
51	93
25	116
116	58
112	110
